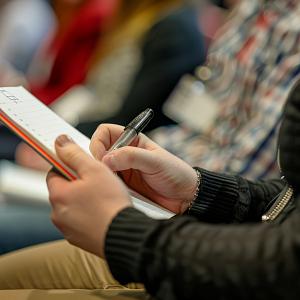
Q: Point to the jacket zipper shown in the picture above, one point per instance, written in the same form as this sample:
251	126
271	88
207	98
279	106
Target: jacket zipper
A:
279	205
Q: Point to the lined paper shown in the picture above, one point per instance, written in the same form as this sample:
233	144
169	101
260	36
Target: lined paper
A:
37	120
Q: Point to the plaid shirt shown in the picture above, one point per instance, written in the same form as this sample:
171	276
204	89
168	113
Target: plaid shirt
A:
256	57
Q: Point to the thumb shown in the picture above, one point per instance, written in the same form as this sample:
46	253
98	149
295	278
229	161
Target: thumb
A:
72	155
132	158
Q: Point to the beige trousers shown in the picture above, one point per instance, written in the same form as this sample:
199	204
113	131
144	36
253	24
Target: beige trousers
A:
59	270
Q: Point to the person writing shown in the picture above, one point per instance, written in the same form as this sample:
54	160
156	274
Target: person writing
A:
204	251
181	257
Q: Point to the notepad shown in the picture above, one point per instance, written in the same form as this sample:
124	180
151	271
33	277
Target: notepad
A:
39	127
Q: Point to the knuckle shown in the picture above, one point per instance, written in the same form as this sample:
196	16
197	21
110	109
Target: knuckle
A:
99	129
73	155
58	217
57	196
54	197
94	148
129	155
55	220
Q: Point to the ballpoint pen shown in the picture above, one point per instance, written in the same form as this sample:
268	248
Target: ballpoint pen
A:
133	129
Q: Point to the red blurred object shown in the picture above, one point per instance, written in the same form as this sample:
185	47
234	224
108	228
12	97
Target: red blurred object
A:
73	50
211	19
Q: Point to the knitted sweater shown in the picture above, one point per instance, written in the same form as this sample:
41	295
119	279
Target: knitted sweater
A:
184	258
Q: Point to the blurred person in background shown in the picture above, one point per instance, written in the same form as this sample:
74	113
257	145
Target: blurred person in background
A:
64	59
68	54
152	45
250	69
23	27
24	24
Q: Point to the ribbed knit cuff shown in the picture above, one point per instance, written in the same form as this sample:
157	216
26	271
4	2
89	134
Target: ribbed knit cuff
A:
124	240
217	197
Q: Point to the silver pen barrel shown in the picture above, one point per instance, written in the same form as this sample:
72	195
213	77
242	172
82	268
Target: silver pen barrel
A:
125	139
133	129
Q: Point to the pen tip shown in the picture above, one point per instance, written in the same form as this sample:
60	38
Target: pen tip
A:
149	111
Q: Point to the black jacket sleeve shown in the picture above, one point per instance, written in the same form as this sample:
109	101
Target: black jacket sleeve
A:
173	47
183	258
226	198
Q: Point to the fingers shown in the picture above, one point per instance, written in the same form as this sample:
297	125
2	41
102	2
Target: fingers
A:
106	135
132	158
55	184
103	139
72	155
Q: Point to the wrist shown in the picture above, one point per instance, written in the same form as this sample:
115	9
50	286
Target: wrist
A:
186	205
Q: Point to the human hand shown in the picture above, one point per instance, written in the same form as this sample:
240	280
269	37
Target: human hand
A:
84	208
27	157
147	168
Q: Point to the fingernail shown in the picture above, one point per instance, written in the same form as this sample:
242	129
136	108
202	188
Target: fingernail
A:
64	140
